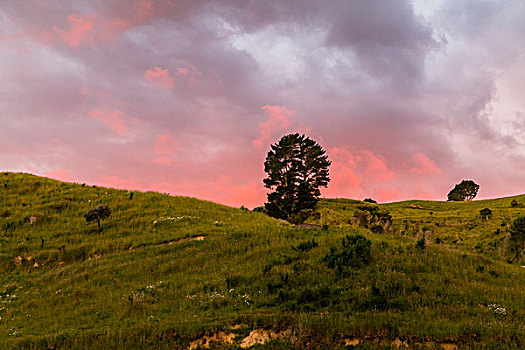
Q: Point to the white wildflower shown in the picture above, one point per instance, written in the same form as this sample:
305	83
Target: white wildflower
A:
498	309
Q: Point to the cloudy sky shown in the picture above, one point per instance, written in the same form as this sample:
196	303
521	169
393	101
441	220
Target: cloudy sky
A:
185	96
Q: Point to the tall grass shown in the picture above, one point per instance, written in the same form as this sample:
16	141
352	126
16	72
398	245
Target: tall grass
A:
166	270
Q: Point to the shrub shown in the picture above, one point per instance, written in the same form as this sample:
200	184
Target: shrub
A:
260	209
485	213
421	243
376	228
307	245
355	252
300	217
382	297
517	236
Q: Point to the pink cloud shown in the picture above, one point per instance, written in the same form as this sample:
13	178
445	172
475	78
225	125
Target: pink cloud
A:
111	118
342	155
90	29
223	191
344	181
357	174
160	77
182	71
116	182
189	74
165	144
163	78
424	165
59	174
165	161
279	122
80	30
144	9
376	167
387	193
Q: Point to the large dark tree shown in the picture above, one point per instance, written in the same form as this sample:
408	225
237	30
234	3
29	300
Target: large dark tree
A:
97	214
296	166
466	190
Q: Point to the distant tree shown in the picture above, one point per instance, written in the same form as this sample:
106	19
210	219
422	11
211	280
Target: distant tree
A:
465	190
486	213
99	213
296	166
516	204
517	236
369	200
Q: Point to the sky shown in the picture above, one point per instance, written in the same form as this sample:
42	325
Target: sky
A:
185	97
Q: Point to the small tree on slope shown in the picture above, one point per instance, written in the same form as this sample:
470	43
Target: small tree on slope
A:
98	213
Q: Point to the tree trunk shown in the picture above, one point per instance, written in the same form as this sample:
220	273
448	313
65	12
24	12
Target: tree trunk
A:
99	228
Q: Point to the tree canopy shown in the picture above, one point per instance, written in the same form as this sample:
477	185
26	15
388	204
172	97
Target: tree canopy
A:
297	167
97	214
465	190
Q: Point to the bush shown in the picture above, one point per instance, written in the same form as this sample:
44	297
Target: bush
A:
382	297
355	252
485	213
306	246
421	243
517	236
300	217
376	228
260	209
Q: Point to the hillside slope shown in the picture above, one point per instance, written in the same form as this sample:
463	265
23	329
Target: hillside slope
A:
457	225
174	272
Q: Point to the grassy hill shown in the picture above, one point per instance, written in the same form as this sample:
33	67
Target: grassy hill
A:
174	272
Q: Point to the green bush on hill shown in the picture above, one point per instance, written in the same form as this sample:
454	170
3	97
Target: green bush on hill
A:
355	252
517	236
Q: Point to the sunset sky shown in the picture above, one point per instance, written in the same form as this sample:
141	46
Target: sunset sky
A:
407	97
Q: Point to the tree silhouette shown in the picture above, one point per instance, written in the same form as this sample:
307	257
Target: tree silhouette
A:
98	213
465	190
296	166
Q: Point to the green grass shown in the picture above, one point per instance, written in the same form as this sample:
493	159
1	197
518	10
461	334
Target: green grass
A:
146	281
458	225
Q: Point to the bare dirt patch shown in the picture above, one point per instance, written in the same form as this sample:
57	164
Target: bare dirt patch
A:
351	342
307	226
218	338
262	336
